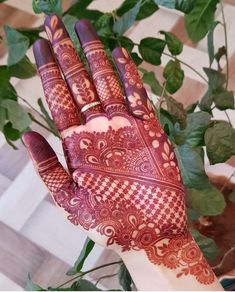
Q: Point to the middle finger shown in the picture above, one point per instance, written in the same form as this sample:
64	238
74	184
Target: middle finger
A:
78	80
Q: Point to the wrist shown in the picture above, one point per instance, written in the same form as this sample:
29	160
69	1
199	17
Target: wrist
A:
170	264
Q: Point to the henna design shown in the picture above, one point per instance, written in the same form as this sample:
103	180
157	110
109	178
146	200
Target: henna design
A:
132	200
76	75
105	81
58	97
126	184
137	97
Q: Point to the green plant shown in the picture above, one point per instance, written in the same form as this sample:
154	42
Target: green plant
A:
191	132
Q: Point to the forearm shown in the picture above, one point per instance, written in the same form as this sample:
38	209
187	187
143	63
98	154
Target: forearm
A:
168	268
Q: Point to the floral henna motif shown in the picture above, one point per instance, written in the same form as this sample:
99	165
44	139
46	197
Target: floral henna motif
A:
135	216
76	76
130	200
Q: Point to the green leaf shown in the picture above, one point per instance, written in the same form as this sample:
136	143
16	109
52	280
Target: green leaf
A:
175	46
216	79
136	58
148	7
192	167
224	100
184	5
78	5
176	109
7	91
191	108
31	33
216	82
126	43
103	25
69	22
174	76
23	69
231	197
210	42
4	74
124	278
166	3
30	286
192	215
151	50
49	7
150	79
11	133
167	122
3	116
17	45
84	285
206	245
47	118
16	115
200	19
197	124
220	142
206	202
87	248
126	20
222	51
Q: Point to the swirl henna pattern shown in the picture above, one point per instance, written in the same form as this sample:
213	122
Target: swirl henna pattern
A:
125	188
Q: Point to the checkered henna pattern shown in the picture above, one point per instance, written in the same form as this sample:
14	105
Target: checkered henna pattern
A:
125	188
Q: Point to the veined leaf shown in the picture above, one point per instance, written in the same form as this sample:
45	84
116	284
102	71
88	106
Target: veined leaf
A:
127	19
87	248
220	142
200	19
174	76
207	202
17	45
151	50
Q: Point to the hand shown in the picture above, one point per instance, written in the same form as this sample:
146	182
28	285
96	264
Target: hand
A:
124	188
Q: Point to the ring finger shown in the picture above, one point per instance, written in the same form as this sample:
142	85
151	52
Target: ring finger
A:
78	80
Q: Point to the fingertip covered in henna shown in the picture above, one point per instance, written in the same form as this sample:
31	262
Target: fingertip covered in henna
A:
55	29
42	52
37	146
119	52
85	31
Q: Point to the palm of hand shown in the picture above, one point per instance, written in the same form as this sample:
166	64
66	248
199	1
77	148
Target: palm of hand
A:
125	190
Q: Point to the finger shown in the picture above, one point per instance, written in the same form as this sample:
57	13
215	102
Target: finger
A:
78	80
45	162
136	94
103	75
60	102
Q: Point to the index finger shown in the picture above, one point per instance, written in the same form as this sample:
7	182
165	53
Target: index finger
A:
60	102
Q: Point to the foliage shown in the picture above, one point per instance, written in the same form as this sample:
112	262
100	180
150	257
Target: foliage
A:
193	131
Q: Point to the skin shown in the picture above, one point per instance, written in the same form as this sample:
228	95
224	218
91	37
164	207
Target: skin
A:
123	186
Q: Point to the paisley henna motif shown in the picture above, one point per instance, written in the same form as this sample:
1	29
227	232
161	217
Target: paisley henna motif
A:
125	186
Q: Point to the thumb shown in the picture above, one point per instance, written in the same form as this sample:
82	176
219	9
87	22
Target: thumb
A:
46	162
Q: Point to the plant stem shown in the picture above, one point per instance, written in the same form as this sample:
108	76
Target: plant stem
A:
226	42
40	124
160	103
26	102
105	277
89	271
224	257
182	62
226	182
228	118
187	65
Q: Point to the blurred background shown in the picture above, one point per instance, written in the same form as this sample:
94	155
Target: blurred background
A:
34	237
